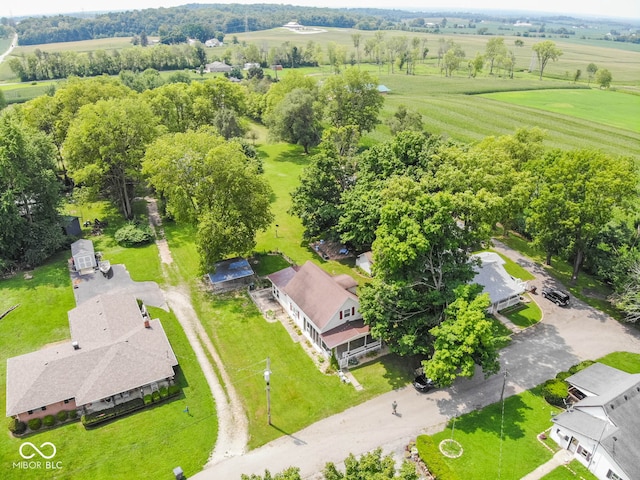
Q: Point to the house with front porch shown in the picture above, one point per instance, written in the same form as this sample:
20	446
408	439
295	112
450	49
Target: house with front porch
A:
503	289
601	427
116	353
326	309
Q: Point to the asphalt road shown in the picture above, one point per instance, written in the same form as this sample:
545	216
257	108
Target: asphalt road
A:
565	337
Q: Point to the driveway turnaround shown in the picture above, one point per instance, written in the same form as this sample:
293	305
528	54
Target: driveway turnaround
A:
565	337
118	281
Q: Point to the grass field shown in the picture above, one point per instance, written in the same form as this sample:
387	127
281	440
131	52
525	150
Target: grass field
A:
567	472
524	315
606	107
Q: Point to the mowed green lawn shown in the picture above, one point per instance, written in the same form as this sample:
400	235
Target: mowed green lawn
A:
148	444
604	106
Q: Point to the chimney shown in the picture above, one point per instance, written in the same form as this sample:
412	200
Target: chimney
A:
75	345
146	324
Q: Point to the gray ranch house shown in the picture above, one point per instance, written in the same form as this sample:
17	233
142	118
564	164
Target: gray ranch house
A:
503	289
602	428
326	309
116	353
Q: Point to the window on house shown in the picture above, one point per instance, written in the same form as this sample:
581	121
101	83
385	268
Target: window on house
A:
44	408
30	412
586	454
346	313
613	476
67	400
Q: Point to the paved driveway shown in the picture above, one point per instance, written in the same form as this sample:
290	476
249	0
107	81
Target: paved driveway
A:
564	337
88	286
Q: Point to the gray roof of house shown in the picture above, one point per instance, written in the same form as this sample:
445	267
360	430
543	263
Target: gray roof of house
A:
117	353
82	247
494	279
317	293
597	378
620	401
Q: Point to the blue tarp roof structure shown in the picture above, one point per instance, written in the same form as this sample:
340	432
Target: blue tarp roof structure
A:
230	269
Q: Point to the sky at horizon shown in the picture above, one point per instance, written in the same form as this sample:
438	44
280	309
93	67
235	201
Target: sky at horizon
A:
629	9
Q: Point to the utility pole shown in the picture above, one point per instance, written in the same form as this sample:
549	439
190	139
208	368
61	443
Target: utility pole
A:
267	376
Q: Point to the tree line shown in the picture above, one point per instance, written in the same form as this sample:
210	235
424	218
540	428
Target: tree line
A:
195	21
42	65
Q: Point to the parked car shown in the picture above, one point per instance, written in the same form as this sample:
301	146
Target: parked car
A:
556	296
423	384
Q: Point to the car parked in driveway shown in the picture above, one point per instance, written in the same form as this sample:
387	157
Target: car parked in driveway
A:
556	296
423	384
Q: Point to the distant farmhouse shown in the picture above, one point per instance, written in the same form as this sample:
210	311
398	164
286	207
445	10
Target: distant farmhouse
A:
213	42
602	428
217	67
116	353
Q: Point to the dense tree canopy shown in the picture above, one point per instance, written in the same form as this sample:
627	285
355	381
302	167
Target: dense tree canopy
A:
577	194
296	119
353	99
29	195
465	338
105	145
212	184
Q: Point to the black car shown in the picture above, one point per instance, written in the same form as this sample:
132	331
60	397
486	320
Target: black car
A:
556	296
423	384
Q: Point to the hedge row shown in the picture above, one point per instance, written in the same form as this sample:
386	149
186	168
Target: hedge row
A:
18	427
556	390
130	406
433	459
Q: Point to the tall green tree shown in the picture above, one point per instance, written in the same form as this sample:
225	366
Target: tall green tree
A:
494	49
422	255
628	298
317	200
370	466
604	78
105	145
592	68
578	192
352	98
405	119
210	182
29	194
296	119
464	339
545	51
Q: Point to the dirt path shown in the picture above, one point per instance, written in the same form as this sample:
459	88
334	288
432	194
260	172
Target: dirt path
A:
233	431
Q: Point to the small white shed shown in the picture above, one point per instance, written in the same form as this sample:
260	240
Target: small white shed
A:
84	257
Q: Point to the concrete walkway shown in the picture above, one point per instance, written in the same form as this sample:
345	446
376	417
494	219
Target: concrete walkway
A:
561	458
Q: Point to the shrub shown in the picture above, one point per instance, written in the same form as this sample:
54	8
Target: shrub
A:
147	399
62	416
433	459
581	366
73	414
173	389
555	391
35	424
133	234
16	426
49	421
164	392
155	396
563	375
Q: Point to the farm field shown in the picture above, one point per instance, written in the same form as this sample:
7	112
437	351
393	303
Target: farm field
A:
606	107
469	118
622	62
